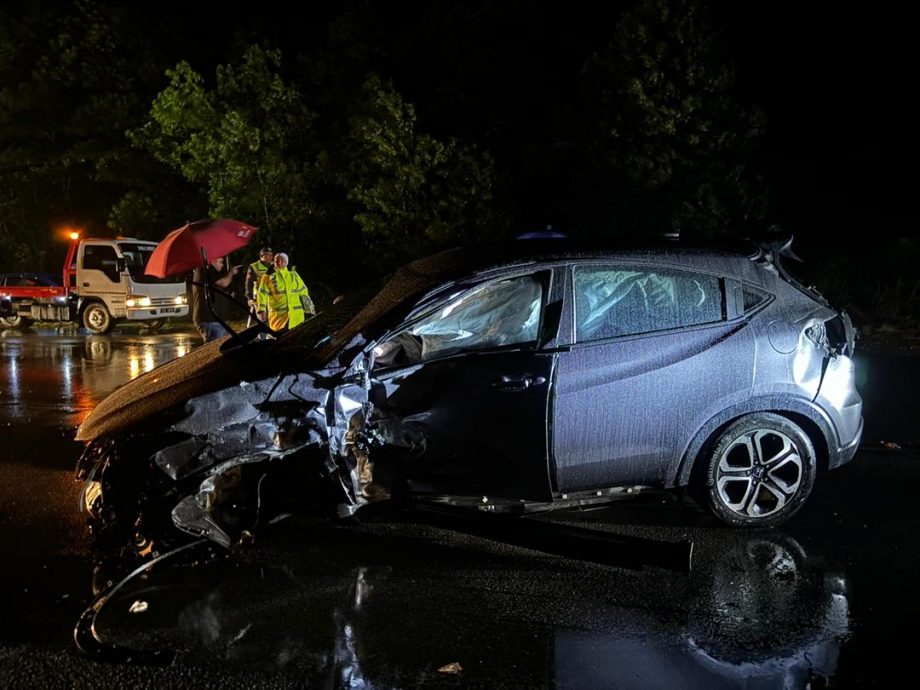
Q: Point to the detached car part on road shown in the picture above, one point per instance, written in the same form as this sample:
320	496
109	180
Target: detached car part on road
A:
516	378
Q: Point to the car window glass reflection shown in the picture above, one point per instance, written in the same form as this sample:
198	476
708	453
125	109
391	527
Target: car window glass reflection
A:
613	302
493	315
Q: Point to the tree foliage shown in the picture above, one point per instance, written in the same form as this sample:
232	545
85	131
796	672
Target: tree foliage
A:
412	192
248	141
253	142
663	130
373	133
71	82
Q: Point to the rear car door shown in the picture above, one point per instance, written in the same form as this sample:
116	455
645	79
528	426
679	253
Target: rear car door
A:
653	356
470	381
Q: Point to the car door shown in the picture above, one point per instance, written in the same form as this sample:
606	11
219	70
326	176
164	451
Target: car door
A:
469	380
654	355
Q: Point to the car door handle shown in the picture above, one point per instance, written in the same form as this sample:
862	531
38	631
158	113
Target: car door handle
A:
518	383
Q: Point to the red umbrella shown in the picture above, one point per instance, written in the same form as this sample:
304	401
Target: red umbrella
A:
187	247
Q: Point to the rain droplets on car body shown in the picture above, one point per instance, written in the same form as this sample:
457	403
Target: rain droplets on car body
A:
518	377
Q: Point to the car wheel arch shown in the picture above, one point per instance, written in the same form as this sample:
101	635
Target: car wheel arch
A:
801	412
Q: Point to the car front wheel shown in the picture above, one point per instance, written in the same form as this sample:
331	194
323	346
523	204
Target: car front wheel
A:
760	471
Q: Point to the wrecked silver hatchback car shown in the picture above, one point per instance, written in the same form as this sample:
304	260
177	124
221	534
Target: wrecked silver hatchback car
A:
515	378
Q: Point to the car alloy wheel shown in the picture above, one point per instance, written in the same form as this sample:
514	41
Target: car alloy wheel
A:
761	470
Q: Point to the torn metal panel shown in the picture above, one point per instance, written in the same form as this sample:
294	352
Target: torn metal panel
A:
193	518
182	459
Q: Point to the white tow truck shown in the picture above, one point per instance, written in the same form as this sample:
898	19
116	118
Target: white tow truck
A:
103	284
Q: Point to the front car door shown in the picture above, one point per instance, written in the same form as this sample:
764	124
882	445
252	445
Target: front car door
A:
469	382
654	355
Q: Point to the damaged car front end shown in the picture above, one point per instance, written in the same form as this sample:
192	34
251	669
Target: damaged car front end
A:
228	436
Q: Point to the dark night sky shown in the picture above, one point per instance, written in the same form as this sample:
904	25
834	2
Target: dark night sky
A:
836	85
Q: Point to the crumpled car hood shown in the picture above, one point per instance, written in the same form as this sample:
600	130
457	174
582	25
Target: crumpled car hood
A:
168	387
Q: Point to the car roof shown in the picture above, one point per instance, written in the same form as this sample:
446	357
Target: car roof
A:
468	261
49	277
422	276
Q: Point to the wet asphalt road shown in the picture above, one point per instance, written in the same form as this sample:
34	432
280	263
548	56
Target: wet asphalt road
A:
827	600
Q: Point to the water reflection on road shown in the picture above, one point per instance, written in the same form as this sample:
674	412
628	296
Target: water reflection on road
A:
368	608
50	377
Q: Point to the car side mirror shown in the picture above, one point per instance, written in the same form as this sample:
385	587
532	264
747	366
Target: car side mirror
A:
121	265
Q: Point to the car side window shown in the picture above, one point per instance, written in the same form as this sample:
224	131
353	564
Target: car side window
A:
496	314
101	258
611	302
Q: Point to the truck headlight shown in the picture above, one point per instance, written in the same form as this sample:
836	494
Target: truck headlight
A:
137	301
181	299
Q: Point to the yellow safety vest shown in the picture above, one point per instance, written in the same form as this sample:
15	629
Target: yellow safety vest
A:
279	296
258	270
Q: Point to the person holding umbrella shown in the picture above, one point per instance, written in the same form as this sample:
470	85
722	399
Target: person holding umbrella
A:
283	298
202	315
201	246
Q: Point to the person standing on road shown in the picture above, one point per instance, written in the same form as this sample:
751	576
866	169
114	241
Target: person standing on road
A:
205	322
283	299
254	274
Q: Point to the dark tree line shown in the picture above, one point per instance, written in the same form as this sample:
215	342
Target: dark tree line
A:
362	134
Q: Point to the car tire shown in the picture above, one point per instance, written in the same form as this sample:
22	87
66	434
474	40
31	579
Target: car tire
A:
16	322
97	320
759	472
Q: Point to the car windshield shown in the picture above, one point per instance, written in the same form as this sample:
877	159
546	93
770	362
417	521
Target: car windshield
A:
136	256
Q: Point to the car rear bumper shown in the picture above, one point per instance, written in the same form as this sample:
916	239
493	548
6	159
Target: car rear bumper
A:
845	453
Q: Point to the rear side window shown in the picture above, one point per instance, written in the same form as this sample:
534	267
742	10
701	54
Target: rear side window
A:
611	302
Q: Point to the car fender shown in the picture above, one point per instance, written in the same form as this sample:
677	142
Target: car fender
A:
679	474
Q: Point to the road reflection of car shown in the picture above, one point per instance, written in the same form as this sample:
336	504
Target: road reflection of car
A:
520	377
780	624
767	616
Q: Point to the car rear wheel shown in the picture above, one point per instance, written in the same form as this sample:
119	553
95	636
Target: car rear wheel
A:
97	319
760	471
